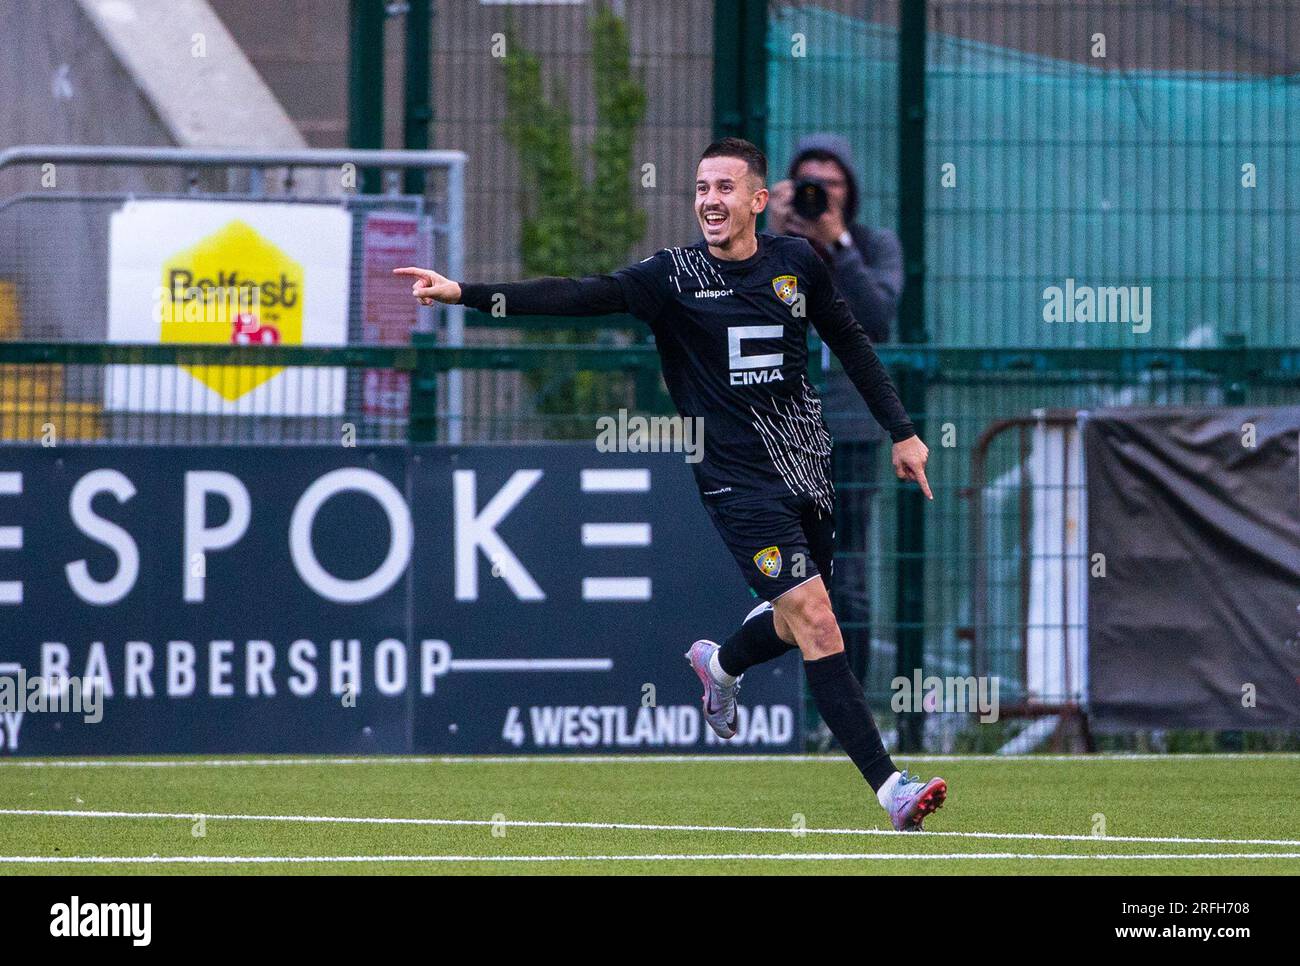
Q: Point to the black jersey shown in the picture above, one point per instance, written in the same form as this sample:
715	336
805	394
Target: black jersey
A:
733	338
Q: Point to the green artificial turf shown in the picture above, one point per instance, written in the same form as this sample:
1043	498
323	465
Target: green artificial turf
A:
1241	798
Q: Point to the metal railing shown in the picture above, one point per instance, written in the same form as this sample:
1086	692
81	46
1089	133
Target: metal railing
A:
57	203
52	378
79	392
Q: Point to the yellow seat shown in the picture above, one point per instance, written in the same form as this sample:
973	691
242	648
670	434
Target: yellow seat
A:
30	383
26	421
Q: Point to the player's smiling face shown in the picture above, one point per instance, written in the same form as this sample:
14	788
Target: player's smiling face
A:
728	199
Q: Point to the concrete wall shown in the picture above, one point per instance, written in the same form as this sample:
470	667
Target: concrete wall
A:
64	85
108	72
300	48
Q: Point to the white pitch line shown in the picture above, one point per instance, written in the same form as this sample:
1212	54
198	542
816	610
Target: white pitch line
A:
624	826
615	759
721	857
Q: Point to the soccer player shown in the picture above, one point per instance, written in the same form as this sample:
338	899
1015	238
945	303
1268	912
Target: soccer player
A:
730	318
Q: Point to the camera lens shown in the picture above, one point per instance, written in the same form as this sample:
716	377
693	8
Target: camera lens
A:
810	198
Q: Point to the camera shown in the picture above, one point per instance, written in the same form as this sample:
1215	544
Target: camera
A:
810	198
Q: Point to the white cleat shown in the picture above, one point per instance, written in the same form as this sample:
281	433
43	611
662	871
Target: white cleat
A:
719	700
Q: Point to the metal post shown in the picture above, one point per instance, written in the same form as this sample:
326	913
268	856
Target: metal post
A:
1234	374
419	104
740	73
455	314
740	70
366	82
910	538
1234	378
422	425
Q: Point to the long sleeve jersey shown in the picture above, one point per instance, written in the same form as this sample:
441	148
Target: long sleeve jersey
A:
733	340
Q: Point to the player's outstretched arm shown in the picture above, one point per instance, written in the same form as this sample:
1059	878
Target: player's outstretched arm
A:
430	287
593	295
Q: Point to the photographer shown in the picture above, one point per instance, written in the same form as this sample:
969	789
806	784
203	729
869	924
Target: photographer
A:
820	202
866	263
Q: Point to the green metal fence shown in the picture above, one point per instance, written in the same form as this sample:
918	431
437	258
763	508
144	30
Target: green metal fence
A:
1111	171
1026	151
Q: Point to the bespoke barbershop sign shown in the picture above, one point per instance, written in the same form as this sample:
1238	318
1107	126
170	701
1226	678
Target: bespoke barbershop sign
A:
387	599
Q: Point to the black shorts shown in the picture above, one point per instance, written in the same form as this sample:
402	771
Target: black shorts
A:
778	542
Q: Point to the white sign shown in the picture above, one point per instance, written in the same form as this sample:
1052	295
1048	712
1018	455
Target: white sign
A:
228	273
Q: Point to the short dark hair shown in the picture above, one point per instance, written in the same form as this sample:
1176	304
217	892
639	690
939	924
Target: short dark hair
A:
754	159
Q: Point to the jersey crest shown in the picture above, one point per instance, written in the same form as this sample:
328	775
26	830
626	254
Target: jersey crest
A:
786	288
769	561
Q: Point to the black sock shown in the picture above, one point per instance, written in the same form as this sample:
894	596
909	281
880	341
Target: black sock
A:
843	707
755	642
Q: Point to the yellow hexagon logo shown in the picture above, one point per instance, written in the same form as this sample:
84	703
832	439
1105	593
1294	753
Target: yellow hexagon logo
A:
233	286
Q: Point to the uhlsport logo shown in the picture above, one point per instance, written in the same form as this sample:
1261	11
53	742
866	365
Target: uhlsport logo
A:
786	288
234	286
768	561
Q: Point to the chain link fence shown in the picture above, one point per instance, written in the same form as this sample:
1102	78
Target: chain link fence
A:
1110	179
71	272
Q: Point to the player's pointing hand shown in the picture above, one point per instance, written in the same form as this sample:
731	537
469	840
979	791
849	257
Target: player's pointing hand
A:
430	287
909	462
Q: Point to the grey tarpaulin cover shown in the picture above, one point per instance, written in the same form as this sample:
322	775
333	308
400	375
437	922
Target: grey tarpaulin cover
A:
1201	593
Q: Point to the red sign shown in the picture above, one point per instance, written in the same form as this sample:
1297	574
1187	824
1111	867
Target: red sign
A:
389	314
